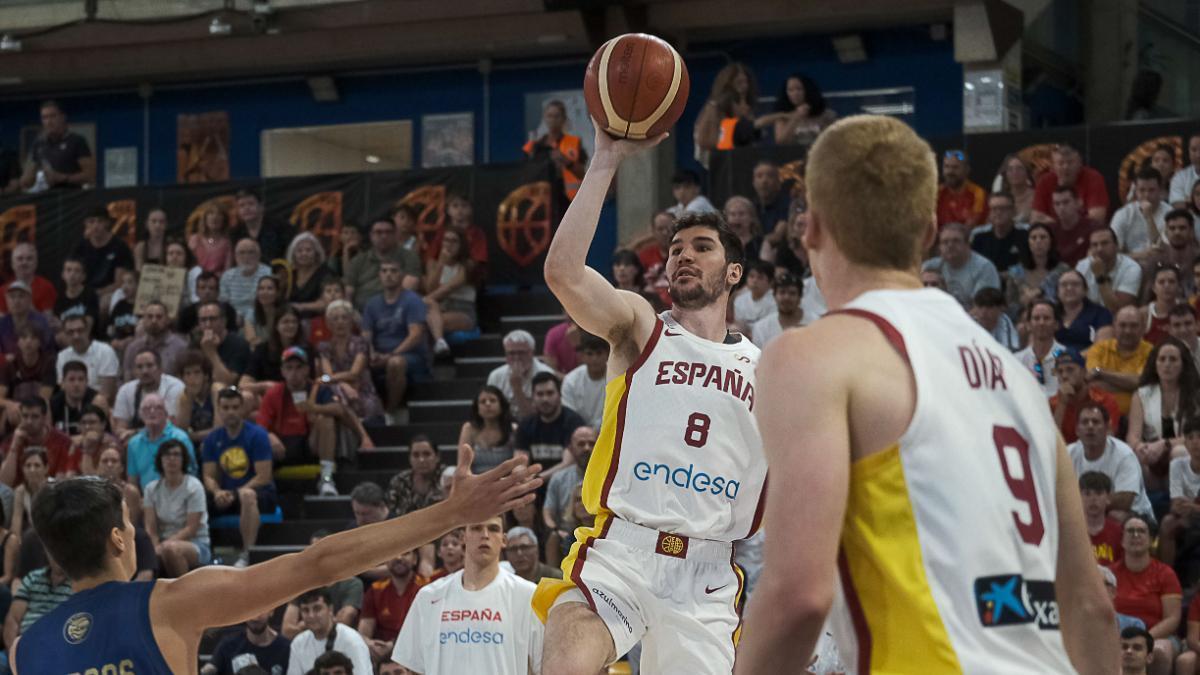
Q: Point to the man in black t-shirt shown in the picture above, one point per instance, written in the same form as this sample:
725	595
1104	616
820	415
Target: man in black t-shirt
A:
102	254
58	158
1001	241
273	238
208	289
545	433
256	644
68	403
75	297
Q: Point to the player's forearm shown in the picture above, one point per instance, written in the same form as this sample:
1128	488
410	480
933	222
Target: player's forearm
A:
568	250
777	637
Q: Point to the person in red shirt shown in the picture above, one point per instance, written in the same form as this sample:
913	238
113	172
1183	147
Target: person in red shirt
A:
1149	590
24	268
1187	662
386	604
1067	170
959	200
1074	392
35	430
653	254
1073	229
1105	531
299	415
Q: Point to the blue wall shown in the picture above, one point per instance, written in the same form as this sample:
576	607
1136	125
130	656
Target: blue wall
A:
897	57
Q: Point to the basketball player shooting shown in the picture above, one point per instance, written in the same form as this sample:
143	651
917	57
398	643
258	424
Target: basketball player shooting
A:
937	497
110	624
678	469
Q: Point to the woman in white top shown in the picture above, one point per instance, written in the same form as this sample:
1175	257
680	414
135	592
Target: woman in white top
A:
449	292
35	471
176	513
1016	178
1167	394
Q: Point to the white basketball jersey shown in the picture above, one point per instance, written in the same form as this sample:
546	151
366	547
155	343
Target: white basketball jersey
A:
950	541
679	449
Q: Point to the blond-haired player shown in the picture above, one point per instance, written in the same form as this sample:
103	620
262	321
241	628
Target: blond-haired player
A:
937	498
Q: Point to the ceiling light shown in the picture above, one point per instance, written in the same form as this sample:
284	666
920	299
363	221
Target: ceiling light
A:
9	44
219	27
371	159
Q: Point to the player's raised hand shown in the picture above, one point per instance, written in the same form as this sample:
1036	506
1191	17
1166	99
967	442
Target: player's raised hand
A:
479	497
622	148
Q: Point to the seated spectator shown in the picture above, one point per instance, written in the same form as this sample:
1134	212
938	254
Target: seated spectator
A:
386	604
1168	395
175	512
960	200
300	418
1041	319
268	302
239	284
556	511
349	245
1115	364
789	313
266	362
685	187
237	470
257	644
1184	490
1164	293
1113	279
347	596
451	551
211	245
1097	450
1139	225
1182	327
91	439
755	301
68	403
59	158
30	371
1137	651
1016	178
490	429
786	249
316	328
10	545
565	150
419	485
1074	393
965	271
1149	590
1095	490
142	450
150	380
196	408
561	344
628	275
1186	178
1002	240
100	359
1068	171
324	634
102	254
743	220
529	516
459	214
1178	248
75	298
21	317
449	293
208	289
394	324
152	248
120	323
227	352
34	465
345	360
404	217
583	388
156	335
522	552
987	308
272	237
362	275
36	595
35	431
179	257
1110	584
332	662
1083	321
1071	227
24	269
1185	663
1161	160
581	517
306	258
545	434
515	377
772	204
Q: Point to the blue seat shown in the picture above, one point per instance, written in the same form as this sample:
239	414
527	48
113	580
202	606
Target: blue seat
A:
233	520
460	336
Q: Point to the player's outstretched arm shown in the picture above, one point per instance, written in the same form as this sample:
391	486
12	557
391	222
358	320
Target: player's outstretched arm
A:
586	295
220	596
801	405
1083	606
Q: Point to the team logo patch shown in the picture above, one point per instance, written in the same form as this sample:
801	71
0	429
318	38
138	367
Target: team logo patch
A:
673	545
77	628
1010	599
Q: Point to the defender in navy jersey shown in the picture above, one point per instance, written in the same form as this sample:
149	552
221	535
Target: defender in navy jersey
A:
111	625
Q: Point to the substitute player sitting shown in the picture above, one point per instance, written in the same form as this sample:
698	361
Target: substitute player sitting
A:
677	473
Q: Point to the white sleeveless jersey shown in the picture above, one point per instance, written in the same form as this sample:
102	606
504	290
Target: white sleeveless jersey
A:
950	540
679	449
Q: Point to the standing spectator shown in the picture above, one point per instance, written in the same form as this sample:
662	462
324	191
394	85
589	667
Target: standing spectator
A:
1074	394
141	464
345	361
502	616
685	187
755	301
546	433
489	430
24	268
736	79
1113	279
987	308
102	254
239	284
583	388
36	595
76	296
1001	241
386	604
237	470
68	403
1115	364
300	416
35	431
1150	591
1068	171
1184	490
459	214
1072	228
1096	450
805	114
521	546
59	158
556	511
257	644
1016	179
1095	489
565	150
272	237
419	485
964	270
1083	321
157	336
1139	225
362	275
394	324
268	301
449	293
226	351
1168	395
175	512
1178	248
1042	319
208	289
771	203
152	250
959	199
211	246
1164	294
788	314
324	634
150	380
1185	179
306	259
515	377
100	359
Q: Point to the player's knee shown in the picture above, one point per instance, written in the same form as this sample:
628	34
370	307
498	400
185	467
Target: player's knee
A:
577	641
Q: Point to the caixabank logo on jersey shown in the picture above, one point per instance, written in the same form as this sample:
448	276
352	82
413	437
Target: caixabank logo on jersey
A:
1010	599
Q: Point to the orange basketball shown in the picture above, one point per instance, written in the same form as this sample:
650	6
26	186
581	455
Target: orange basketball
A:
636	86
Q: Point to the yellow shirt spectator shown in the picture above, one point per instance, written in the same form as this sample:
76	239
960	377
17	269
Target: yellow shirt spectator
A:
1105	355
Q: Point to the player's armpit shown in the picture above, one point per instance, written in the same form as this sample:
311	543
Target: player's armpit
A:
599	308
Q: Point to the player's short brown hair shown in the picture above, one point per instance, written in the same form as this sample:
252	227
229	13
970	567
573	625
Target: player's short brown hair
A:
873	182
